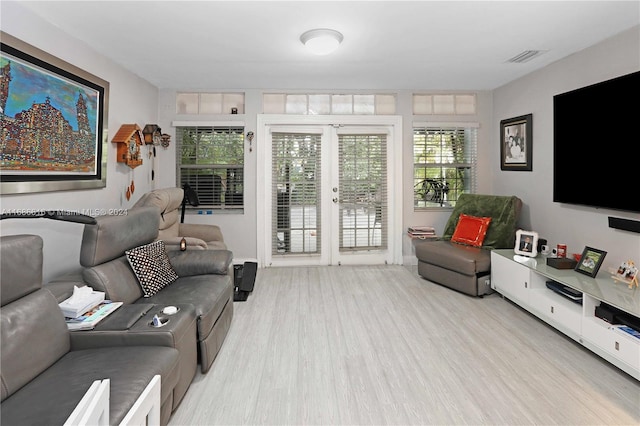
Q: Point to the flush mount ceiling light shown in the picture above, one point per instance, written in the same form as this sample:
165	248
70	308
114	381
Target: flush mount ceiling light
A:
321	41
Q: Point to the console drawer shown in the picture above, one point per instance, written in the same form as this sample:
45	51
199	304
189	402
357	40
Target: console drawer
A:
615	342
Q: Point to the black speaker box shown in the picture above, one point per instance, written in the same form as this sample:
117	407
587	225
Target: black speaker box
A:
244	277
604	313
249	271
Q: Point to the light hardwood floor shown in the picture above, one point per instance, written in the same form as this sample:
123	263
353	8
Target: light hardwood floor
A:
378	345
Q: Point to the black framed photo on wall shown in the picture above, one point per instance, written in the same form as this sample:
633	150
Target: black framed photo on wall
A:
516	143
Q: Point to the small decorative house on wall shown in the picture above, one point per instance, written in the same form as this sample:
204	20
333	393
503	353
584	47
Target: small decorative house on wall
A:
129	139
152	134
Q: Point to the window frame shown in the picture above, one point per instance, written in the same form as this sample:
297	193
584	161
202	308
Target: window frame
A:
439	191
228	167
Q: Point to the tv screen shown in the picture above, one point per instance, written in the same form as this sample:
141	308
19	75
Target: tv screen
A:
596	145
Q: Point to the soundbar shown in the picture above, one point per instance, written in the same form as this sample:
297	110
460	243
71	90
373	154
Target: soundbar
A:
624	224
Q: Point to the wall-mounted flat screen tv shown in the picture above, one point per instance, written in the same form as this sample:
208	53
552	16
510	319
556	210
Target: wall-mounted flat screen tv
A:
596	145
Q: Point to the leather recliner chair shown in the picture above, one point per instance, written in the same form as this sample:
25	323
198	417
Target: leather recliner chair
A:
197	236
462	267
204	279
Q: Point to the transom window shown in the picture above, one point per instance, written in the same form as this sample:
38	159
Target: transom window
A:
211	160
444	164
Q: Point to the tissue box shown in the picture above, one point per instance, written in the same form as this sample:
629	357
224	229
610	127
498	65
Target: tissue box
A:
77	305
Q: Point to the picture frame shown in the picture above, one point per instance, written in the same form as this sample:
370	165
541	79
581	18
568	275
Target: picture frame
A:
590	261
526	243
516	143
67	148
627	271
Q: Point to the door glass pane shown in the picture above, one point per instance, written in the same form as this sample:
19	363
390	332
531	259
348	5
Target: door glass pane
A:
295	193
363	192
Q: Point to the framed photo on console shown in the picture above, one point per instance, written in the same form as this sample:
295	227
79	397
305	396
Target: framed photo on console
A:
590	261
526	243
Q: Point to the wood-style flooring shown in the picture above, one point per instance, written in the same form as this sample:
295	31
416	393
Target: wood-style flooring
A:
379	345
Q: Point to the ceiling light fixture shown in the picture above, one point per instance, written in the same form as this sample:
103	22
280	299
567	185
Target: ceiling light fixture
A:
321	41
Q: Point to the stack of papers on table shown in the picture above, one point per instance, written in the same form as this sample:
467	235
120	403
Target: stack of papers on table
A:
89	320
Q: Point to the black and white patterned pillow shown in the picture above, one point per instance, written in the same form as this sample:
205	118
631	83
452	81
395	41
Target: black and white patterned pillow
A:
152	267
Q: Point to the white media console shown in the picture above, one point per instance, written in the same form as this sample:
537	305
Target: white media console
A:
525	283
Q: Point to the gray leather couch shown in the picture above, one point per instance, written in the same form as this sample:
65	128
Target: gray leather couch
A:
205	280
44	374
168	201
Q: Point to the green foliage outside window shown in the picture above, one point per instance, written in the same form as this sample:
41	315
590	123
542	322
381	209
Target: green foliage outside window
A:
211	161
444	165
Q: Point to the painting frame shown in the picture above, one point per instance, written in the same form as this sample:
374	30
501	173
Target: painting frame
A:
590	261
516	143
66	158
526	247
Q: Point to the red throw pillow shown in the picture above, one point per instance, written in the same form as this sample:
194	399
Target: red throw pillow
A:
471	230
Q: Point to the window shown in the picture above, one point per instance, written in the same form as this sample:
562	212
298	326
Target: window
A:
209	103
449	104
444	164
327	104
211	161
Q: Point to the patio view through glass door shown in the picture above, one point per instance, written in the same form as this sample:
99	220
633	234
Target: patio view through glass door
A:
296	189
362	189
329	196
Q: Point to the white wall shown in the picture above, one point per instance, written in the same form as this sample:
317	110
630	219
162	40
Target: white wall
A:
562	223
131	100
239	229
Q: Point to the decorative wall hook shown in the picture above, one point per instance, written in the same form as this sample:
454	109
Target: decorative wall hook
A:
165	140
250	136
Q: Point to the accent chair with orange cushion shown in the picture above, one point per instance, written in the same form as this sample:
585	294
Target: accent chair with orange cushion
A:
461	258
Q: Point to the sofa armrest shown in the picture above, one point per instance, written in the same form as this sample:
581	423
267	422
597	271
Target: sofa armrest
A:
202	231
62	287
200	262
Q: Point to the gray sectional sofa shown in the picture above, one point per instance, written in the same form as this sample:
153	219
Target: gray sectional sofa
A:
125	347
205	276
43	375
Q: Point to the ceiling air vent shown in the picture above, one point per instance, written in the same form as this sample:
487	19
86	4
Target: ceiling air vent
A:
526	56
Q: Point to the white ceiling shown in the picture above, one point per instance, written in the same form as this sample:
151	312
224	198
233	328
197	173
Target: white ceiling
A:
465	45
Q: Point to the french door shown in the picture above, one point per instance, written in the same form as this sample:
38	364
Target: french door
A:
328	193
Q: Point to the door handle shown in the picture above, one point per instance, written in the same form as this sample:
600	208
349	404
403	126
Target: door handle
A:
335	200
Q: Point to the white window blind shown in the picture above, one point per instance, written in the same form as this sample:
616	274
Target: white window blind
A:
444	164
296	189
211	160
363	188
